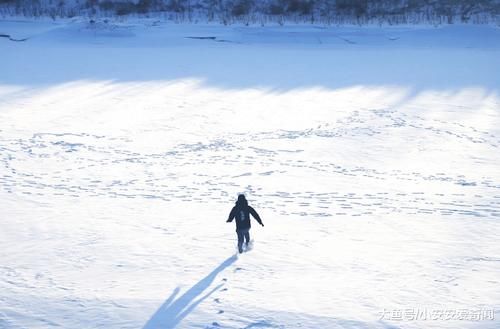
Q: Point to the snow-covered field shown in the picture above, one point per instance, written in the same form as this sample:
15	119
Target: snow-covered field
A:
372	155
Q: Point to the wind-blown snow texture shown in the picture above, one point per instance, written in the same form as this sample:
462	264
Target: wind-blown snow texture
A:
371	154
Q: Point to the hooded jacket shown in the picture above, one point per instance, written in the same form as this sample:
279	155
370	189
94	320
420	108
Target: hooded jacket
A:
241	212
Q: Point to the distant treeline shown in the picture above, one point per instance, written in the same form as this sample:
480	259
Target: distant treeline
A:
265	11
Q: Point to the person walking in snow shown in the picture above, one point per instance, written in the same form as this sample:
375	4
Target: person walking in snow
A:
241	211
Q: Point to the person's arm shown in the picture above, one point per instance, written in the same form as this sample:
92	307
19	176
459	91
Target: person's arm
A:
232	214
255	215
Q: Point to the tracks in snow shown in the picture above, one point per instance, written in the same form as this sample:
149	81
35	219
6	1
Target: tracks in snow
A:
80	164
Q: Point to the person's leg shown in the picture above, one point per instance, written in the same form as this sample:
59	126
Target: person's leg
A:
247	237
240	241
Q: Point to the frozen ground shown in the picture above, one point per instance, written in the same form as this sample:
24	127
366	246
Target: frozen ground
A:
372	155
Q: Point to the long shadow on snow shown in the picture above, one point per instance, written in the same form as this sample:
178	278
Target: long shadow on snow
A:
174	310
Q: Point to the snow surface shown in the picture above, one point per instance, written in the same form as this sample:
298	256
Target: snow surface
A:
372	155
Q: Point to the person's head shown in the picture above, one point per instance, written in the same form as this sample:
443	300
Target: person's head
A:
242	200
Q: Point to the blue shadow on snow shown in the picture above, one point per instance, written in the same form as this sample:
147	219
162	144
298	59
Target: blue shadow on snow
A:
173	310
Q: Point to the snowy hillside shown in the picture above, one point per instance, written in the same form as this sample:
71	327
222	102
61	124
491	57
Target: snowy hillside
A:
265	12
371	154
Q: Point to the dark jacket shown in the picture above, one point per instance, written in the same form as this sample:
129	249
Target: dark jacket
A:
241	211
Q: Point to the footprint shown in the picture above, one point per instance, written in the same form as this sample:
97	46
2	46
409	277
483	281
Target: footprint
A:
217	300
220	312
